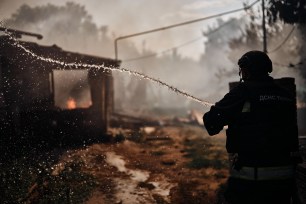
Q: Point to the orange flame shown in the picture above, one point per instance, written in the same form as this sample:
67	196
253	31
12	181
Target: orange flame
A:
71	103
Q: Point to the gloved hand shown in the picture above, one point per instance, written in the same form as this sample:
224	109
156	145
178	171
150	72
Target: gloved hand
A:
213	121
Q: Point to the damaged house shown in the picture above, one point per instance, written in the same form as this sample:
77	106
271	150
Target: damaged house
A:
37	106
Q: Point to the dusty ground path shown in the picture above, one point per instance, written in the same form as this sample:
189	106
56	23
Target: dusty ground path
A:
176	164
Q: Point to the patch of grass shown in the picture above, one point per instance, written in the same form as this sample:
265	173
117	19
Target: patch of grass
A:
138	137
158	153
119	137
188	191
159	199
199	162
15	179
24	183
71	184
204	153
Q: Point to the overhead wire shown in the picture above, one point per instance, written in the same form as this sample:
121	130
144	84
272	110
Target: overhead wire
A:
284	41
245	8
164	51
179	46
189	22
291	65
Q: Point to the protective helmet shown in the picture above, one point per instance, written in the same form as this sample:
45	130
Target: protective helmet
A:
256	62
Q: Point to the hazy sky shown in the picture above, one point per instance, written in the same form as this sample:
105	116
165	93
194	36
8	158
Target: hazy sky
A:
131	16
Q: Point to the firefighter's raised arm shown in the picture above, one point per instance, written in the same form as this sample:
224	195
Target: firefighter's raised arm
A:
224	111
213	121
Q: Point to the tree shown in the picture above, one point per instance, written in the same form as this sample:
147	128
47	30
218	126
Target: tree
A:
290	11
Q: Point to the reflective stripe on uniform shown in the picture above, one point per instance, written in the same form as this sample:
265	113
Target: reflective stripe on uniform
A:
264	173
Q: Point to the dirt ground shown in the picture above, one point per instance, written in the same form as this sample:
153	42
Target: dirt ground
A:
164	164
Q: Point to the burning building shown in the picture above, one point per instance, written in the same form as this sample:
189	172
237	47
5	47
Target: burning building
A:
33	107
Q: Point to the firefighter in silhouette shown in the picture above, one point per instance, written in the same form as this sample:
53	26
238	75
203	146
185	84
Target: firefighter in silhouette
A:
261	134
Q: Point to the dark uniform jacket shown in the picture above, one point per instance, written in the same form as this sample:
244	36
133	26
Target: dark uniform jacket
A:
261	119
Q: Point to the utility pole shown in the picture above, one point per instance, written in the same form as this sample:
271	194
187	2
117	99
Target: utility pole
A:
264	27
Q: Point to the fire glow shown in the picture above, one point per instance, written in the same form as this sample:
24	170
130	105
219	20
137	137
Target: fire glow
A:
71	103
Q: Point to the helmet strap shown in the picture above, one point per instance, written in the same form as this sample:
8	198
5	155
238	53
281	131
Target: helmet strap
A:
240	75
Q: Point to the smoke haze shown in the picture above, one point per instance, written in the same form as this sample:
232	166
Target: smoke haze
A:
205	76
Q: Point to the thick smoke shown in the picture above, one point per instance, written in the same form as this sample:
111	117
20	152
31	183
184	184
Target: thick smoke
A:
199	78
72	28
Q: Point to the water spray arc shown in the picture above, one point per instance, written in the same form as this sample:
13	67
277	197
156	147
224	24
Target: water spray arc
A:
120	69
